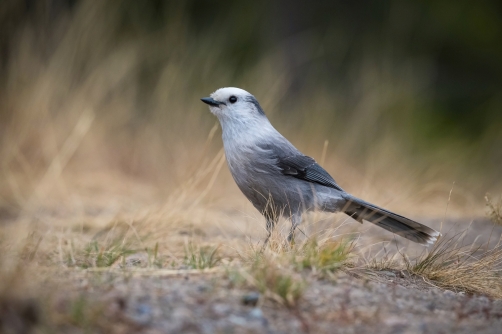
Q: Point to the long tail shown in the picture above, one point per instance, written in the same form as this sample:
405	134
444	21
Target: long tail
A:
402	226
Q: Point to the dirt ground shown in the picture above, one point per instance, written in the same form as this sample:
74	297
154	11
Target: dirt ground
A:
140	300
386	302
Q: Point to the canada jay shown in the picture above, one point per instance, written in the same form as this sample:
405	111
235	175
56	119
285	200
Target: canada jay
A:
280	181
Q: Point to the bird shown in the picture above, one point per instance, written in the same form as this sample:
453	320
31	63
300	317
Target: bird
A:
279	180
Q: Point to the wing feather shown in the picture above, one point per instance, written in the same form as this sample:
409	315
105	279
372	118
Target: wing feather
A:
306	168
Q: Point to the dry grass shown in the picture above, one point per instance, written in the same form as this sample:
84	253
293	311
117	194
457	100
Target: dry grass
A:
281	270
494	209
275	280
450	264
467	268
454	265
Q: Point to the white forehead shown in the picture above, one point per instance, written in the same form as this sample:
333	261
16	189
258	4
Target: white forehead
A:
224	93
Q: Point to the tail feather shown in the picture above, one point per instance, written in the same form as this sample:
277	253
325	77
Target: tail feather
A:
402	226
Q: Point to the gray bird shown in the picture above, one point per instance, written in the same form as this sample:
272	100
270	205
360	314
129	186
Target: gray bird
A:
281	181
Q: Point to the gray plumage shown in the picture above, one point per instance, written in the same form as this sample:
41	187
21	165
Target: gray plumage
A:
281	181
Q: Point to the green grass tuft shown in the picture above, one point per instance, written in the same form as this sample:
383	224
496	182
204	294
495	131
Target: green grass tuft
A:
201	257
278	282
326	257
96	255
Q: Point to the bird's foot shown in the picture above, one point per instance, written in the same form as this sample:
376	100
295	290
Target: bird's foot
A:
291	238
265	243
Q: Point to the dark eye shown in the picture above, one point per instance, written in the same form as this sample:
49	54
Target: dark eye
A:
232	99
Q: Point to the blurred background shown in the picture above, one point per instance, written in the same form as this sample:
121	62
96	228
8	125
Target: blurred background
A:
400	101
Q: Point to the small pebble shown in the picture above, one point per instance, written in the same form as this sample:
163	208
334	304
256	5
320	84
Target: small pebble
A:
222	309
484	300
240	321
388	273
202	288
142	314
256	313
251	299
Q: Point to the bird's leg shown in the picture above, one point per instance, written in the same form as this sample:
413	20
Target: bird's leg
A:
270	227
296	219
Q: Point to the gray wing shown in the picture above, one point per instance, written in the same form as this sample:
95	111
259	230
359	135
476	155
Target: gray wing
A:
305	168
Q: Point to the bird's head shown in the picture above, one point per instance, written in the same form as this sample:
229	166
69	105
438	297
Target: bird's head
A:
232	103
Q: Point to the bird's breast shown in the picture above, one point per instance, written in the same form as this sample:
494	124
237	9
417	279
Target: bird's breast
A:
250	163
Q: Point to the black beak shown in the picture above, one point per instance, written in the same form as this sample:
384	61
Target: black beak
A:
211	101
